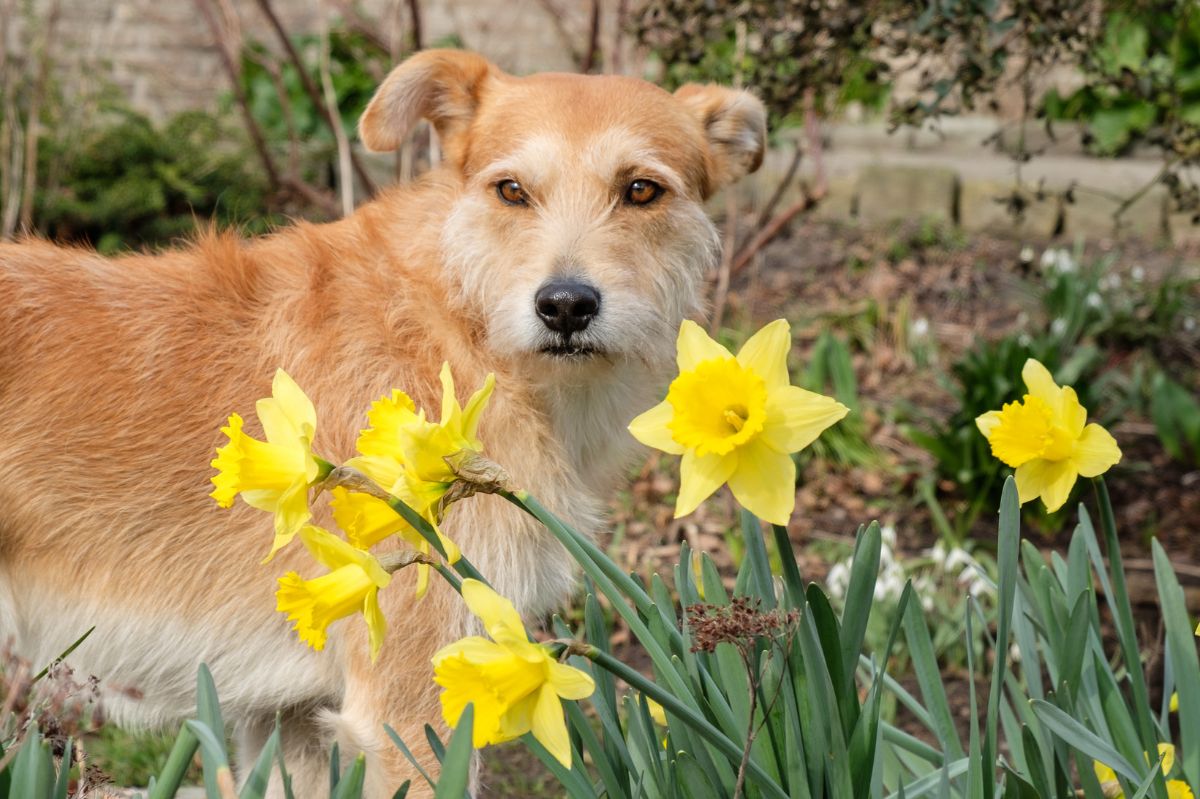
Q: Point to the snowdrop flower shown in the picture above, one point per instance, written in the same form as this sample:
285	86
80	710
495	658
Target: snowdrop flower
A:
919	328
1137	274
937	554
1058	327
1026	255
1094	300
888	535
838	579
1189	323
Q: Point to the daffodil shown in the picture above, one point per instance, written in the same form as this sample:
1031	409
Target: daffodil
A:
405	454
351	586
736	419
1176	789
516	686
272	475
1046	438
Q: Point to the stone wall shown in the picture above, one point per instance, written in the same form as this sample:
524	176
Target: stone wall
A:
160	56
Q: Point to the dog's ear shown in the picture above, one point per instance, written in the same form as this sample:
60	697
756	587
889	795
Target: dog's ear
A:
735	123
439	85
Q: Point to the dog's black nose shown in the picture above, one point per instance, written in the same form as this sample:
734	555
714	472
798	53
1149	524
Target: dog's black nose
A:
567	306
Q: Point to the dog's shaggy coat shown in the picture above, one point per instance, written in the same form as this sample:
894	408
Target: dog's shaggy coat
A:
115	375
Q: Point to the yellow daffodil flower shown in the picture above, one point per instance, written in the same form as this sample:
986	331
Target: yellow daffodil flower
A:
405	454
351	586
272	475
736	419
516	686
1176	789
1046	439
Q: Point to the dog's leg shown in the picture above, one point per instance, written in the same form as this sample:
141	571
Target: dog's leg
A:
397	689
305	740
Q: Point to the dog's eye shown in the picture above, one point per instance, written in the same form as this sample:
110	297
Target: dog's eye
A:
511	192
642	192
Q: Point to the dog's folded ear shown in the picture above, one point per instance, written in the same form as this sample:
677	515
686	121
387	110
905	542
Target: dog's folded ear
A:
442	86
735	123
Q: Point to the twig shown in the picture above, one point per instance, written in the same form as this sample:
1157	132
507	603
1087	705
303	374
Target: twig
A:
362	27
235	80
812	195
33	124
765	215
721	292
345	178
414	16
328	111
273	71
593	46
617	60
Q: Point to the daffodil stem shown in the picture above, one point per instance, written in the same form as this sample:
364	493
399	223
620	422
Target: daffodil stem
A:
685	713
579	545
1123	617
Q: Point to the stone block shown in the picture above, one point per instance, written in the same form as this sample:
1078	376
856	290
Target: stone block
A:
891	193
983	205
1091	215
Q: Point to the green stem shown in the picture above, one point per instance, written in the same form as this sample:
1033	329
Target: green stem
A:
677	708
582	547
463	566
177	764
1123	617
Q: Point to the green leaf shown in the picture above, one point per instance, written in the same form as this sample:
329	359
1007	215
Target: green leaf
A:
456	764
1181	649
403	747
350	786
171	776
756	555
208	710
929	678
1083	739
259	778
32	769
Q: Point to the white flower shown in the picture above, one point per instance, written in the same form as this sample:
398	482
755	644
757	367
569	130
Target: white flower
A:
958	559
937	554
1049	258
1137	274
1112	282
1024	340
887	534
1026	255
1014	653
1065	263
890	583
838	579
919	328
1094	300
1189	323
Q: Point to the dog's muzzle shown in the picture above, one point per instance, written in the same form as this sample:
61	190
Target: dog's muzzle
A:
566	307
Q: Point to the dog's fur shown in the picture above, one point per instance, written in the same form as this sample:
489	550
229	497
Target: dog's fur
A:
115	375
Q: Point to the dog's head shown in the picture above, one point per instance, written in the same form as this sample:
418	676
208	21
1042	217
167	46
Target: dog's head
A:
577	228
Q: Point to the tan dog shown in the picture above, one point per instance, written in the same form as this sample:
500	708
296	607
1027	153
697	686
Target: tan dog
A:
559	245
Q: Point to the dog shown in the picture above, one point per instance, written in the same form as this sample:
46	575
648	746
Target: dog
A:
558	245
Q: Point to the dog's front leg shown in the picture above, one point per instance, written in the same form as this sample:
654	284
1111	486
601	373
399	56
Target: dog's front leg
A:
398	688
305	739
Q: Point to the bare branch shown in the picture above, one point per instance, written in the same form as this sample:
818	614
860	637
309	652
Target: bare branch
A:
328	112
345	172
593	46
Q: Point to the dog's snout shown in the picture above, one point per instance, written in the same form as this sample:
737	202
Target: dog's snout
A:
567	306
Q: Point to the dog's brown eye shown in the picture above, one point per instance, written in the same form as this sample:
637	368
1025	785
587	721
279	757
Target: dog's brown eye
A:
642	192
511	192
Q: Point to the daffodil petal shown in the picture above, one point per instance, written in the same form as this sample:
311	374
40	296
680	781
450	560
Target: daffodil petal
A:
1096	451
376	623
1071	414
795	417
291	513
695	347
1041	383
986	422
766	353
549	726
1167	753
570	682
334	553
474	648
651	429
474	409
1103	772
450	408
498	615
1178	789
699	477
1050	480
765	482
